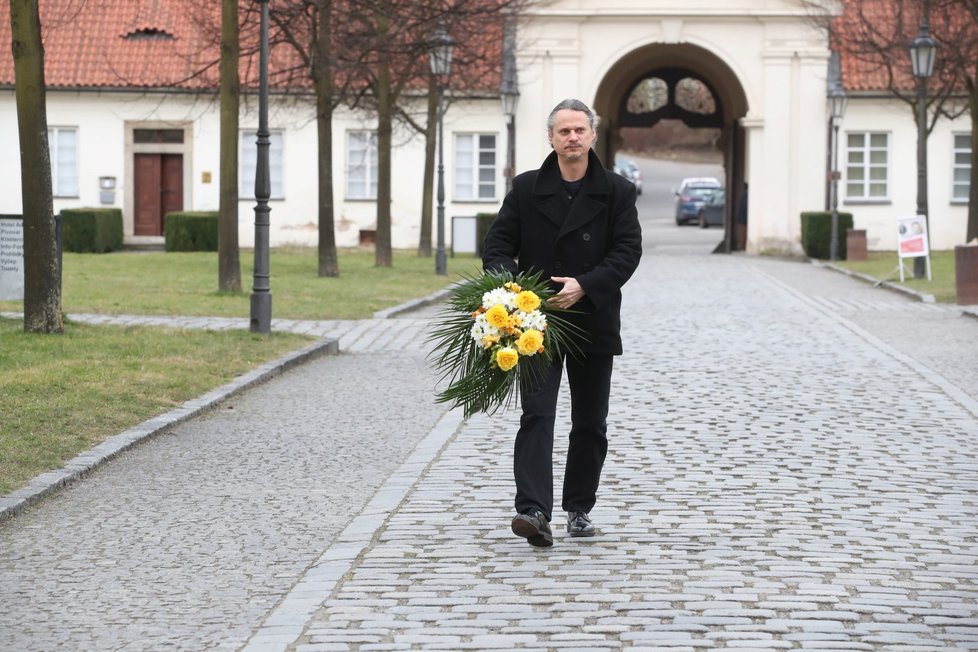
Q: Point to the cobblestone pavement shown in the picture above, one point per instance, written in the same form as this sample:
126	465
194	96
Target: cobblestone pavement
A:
776	480
792	466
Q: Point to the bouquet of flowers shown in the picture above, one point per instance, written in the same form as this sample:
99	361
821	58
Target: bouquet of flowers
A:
497	333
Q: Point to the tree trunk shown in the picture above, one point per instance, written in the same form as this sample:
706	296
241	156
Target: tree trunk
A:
383	256
42	273
228	256
424	242
323	79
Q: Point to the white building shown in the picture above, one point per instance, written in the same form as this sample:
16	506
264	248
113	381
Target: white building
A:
148	150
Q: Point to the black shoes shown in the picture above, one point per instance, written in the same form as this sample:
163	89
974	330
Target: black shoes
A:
579	525
535	528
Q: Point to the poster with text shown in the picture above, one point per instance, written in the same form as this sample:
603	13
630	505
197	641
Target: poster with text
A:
912	237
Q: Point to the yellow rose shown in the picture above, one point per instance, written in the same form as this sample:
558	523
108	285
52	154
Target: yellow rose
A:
527	301
530	342
507	358
488	341
498	316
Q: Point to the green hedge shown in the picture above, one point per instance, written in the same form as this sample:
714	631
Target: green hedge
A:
816	233
191	231
92	230
482	223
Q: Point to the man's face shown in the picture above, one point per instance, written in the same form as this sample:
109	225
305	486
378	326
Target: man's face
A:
571	135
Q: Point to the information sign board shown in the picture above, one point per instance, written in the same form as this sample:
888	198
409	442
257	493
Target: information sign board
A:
11	259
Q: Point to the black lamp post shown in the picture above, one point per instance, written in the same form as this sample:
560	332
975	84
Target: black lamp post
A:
441	66
261	295
922	52
837	102
510	97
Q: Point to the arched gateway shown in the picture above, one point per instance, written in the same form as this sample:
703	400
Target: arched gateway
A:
760	69
680	82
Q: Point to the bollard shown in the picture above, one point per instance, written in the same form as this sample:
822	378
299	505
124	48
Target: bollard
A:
856	244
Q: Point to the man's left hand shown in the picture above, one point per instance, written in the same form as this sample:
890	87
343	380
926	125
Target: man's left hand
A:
571	293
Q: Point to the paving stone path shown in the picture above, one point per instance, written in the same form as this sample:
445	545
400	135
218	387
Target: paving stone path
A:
792	466
796	488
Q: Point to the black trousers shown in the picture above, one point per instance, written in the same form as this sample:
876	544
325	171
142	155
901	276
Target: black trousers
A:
590	386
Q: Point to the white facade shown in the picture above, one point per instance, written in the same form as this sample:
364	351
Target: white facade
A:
763	60
104	122
895	119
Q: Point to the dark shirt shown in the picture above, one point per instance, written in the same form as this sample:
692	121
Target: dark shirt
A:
572	187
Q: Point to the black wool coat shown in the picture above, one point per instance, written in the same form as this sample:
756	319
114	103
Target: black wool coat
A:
595	238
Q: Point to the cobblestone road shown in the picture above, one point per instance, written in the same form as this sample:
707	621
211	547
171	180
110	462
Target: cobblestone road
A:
792	466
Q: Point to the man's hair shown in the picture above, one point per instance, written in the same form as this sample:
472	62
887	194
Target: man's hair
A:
571	105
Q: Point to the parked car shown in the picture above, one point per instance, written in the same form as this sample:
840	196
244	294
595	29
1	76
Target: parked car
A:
711	212
691	194
629	169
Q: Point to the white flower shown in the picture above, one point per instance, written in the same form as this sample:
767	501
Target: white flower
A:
481	328
533	319
497	296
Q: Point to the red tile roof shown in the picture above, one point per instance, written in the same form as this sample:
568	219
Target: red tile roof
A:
867	25
171	44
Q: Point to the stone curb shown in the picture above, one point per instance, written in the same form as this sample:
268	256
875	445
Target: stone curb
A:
413	304
284	624
894	287
87	461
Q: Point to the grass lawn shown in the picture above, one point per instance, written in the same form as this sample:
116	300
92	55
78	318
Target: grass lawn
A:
882	265
63	394
158	283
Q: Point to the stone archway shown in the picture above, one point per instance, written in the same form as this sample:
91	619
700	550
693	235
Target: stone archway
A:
684	82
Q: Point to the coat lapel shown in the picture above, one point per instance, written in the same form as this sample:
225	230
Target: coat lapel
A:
591	200
551	200
548	197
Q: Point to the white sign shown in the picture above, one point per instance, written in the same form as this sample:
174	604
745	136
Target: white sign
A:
11	260
464	234
912	241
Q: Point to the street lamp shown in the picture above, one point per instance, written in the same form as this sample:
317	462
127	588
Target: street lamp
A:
837	103
509	95
261	295
441	66
923	50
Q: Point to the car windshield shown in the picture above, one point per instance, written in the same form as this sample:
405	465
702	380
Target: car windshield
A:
700	192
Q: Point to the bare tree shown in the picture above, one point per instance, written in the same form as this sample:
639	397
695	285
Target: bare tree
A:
398	35
229	260
42	273
874	35
316	30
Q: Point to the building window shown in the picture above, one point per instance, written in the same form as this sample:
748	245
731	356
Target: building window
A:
962	167
475	167
63	147
361	165
248	161
867	166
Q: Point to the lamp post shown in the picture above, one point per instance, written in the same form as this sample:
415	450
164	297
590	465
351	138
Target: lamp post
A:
837	102
922	52
441	65
261	296
509	95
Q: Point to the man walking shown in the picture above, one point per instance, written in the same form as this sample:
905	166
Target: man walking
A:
576	222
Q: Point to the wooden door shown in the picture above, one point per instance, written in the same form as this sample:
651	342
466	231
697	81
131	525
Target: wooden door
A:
159	190
171	185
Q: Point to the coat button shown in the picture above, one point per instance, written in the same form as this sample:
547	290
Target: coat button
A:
557	265
586	236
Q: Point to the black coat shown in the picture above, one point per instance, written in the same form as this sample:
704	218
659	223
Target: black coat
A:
596	238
